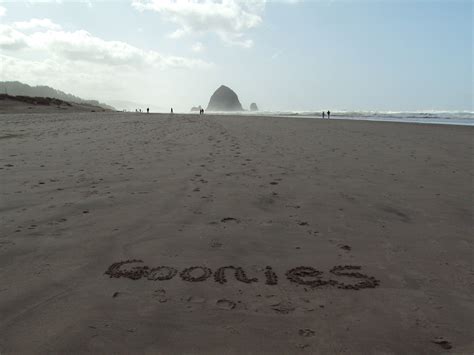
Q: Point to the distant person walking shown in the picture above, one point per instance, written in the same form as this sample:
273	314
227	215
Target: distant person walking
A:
329	114
324	115
147	110
171	110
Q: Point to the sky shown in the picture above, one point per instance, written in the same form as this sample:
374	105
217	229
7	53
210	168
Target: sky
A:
387	55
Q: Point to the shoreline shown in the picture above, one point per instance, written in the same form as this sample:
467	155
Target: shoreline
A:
440	121
211	114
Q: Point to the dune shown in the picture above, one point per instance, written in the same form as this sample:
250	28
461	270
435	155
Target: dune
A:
28	104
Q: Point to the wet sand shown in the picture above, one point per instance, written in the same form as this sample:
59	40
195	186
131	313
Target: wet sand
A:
344	236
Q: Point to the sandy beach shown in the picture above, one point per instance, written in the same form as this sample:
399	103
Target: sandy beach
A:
345	236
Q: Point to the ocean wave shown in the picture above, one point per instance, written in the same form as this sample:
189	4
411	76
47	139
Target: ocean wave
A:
428	116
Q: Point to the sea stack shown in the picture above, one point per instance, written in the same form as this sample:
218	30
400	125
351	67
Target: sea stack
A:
224	99
253	107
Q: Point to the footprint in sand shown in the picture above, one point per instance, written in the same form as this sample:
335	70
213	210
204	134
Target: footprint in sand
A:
306	332
195	299
216	244
283	307
6	243
230	219
345	247
443	342
225	304
160	294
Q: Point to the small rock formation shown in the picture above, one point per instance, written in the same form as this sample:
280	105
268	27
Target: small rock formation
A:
196	109
224	99
253	107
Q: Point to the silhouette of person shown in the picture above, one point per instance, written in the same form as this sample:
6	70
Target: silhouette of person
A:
147	110
324	114
171	110
202	111
329	114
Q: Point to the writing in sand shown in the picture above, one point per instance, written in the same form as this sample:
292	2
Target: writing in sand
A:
303	275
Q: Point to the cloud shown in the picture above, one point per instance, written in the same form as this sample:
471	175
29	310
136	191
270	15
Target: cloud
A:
89	66
236	39
3	11
197	47
11	39
277	54
77	77
44	1
81	46
89	3
36	24
229	19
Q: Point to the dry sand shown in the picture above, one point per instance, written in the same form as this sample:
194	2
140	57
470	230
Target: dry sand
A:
83	191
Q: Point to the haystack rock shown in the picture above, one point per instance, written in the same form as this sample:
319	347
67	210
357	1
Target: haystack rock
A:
224	99
253	107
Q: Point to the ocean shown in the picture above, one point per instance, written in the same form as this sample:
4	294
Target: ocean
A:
465	118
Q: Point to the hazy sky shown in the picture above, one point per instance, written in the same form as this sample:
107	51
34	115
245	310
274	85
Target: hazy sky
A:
283	55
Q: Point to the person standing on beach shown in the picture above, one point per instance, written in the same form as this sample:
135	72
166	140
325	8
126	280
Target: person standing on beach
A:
171	110
324	114
329	114
147	110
